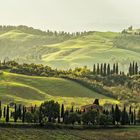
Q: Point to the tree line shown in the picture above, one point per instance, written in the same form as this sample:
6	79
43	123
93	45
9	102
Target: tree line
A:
51	111
41	70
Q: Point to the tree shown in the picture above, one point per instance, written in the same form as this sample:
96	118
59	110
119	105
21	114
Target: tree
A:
134	117
108	69
23	114
15	114
117	114
94	69
19	114
98	69
7	114
73	117
4	112
105	120
29	117
51	110
138	116
0	110
117	68
96	101
124	119
62	112
104	69
101	69
113	115
90	117
136	68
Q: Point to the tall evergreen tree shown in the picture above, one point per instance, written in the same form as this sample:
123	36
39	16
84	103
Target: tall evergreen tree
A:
101	69
134	117
133	68
105	69
130	69
114	68
62	111
94	69
23	113
108	69
15	114
4	112
7	114
98	69
117	69
136	68
0	110
117	114
124	116
113	115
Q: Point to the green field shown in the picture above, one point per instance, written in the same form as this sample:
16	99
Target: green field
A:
45	134
34	90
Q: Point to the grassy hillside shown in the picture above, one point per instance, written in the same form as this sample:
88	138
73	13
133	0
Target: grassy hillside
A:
31	90
64	50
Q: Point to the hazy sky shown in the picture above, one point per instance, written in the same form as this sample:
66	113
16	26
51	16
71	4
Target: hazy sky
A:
71	15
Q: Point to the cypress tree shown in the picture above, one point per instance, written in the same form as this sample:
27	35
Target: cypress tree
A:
124	119
7	114
101	69
108	69
62	111
0	110
117	69
23	114
72	110
113	115
98	69
104	69
117	114
130	114
4	112
134	117
15	114
130	69
133	68
94	69
114	69
19	112
136	68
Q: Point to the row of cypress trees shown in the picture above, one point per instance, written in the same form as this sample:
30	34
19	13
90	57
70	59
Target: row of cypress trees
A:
105	69
133	68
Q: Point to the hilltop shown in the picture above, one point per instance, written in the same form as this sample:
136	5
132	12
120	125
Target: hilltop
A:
64	50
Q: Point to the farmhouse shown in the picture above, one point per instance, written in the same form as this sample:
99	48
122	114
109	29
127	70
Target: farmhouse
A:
94	106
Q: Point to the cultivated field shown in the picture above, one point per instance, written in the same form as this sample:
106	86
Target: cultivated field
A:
45	134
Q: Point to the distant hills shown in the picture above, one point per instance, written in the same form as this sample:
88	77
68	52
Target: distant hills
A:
64	50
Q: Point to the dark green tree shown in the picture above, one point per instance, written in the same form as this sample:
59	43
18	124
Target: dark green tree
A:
94	69
0	110
51	110
7	114
117	114
108	69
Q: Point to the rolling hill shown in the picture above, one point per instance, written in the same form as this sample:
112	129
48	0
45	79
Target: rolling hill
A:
34	90
63	50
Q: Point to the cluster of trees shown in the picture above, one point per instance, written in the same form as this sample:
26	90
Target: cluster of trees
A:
51	111
31	30
105	69
133	69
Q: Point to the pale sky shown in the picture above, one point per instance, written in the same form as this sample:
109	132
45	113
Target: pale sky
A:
71	15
